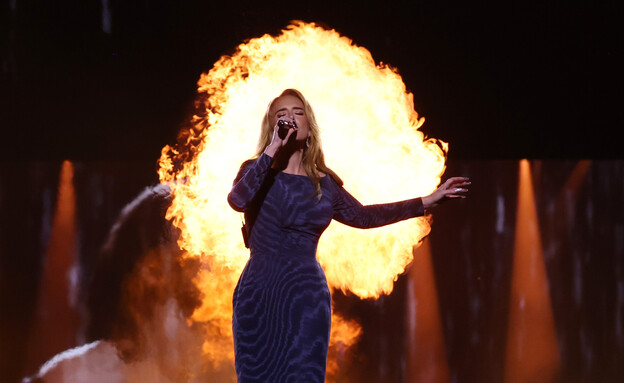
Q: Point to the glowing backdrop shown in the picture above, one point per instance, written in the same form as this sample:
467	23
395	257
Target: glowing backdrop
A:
370	137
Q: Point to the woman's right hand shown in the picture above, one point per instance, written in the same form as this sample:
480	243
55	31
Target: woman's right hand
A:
276	141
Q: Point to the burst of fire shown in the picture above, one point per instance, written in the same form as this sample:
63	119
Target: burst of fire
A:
370	138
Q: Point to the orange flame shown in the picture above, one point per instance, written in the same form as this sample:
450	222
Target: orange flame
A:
371	139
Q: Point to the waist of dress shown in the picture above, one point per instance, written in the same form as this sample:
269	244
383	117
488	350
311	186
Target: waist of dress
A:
290	244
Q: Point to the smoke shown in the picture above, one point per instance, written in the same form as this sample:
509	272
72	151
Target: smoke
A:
140	298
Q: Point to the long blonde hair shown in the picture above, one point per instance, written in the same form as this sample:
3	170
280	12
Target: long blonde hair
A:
313	158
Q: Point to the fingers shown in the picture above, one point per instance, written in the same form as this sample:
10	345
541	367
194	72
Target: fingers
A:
275	139
453	188
456	187
276	131
456	193
290	132
455	182
458	181
455	196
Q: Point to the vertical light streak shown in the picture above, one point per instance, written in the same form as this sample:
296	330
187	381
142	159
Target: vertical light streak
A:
57	320
426	354
576	178
532	351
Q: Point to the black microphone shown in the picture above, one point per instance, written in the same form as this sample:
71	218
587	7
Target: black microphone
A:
283	126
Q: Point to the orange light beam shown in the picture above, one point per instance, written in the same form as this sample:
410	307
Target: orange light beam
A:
426	353
57	320
532	352
570	190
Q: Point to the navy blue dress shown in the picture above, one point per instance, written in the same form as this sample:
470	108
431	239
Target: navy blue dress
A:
282	305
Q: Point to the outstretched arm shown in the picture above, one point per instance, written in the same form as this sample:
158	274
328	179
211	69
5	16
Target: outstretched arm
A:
351	212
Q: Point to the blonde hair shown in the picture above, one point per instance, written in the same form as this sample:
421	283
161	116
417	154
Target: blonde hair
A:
313	158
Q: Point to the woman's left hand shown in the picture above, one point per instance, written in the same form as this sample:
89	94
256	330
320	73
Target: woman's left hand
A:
454	187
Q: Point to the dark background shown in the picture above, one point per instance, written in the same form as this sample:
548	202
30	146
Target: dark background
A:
499	82
502	80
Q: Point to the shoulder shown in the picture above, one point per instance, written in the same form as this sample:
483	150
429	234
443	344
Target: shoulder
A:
244	167
263	159
332	187
248	163
326	172
334	180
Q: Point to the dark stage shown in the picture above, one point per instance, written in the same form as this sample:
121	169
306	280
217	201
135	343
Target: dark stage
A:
526	95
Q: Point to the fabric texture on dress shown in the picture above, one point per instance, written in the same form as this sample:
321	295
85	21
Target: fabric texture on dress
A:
282	304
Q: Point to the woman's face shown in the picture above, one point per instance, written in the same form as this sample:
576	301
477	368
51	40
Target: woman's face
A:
290	108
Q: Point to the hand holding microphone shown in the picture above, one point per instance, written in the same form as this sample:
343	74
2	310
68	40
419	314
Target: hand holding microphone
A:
282	131
284	126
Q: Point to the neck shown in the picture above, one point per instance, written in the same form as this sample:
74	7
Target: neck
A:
290	158
295	163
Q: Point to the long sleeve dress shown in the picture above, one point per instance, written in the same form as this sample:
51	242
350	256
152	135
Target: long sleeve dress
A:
282	305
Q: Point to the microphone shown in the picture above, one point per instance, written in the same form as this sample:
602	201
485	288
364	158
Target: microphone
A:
283	126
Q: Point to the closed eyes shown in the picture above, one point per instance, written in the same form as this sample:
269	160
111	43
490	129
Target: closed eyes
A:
297	111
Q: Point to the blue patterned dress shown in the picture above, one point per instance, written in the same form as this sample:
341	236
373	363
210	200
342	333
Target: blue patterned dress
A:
282	305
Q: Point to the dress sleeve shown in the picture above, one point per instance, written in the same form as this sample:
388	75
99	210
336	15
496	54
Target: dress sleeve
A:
351	212
248	181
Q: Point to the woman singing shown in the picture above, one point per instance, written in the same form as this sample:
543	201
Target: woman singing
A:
282	305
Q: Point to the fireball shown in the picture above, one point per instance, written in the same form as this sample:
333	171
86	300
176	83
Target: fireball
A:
371	139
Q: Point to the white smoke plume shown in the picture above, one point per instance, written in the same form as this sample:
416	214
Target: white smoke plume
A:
140	299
